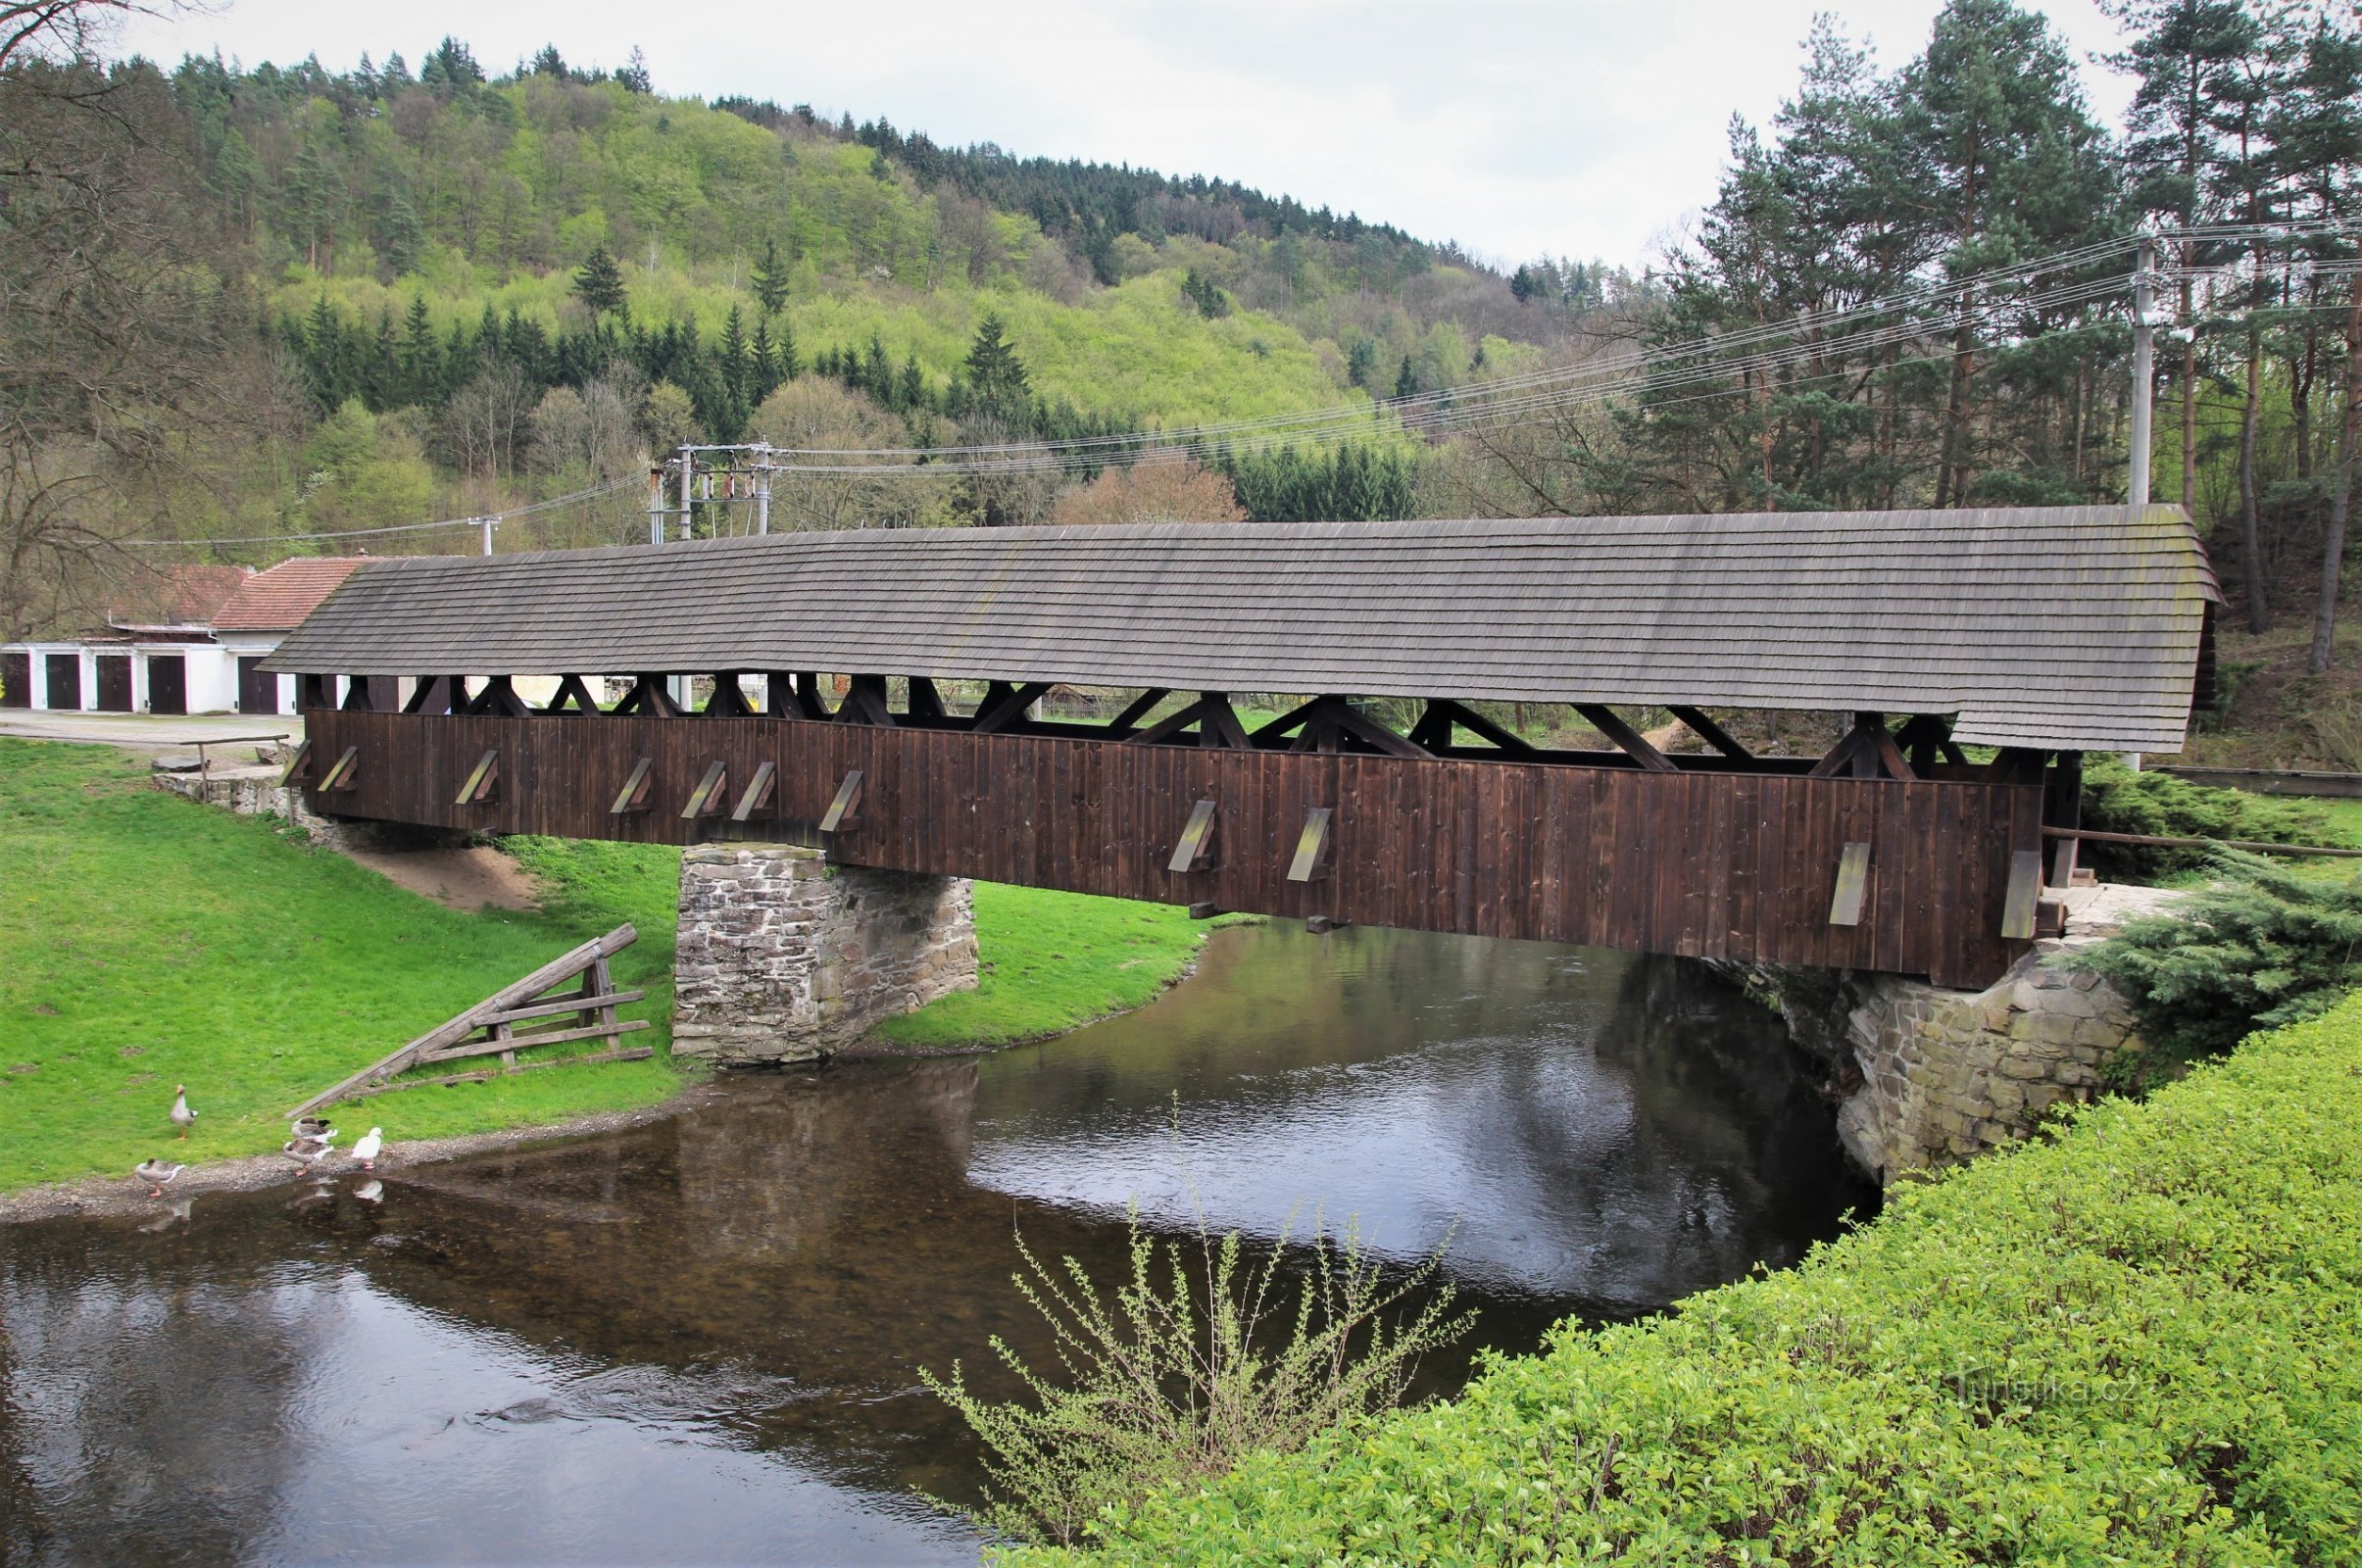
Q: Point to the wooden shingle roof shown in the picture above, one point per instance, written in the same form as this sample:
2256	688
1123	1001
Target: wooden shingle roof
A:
2065	627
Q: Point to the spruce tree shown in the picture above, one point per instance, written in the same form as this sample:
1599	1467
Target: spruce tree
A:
770	279
996	377
600	284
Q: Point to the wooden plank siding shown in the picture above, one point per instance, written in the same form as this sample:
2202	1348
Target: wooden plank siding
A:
1739	867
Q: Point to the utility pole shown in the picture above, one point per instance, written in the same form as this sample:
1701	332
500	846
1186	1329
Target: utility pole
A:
688	481
2144	376
656	503
762	489
488	524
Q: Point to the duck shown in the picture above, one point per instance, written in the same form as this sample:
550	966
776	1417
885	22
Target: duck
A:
315	1128
156	1172
365	1146
305	1151
183	1118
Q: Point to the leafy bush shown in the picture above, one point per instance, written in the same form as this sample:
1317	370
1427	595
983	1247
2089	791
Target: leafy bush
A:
2134	1345
2260	948
1182	1377
2117	800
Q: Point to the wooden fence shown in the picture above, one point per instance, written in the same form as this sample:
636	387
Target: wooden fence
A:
1740	866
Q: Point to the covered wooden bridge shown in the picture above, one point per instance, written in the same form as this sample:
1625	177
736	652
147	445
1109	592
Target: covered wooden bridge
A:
2039	633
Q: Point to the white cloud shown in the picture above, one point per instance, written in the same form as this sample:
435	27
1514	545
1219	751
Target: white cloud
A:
1515	126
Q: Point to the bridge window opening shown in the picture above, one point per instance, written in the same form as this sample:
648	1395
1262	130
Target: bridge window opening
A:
728	698
648	695
573	695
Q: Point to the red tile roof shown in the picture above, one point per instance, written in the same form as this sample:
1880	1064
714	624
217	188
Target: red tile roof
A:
180	595
276	599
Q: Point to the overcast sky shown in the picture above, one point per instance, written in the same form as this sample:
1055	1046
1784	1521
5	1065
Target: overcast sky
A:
1581	127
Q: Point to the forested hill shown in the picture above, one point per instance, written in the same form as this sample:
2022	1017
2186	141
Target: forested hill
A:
410	229
276	306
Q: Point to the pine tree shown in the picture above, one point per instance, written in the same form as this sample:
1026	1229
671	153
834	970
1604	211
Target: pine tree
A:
422	361
763	370
731	352
1406	379
770	279
996	377
600	284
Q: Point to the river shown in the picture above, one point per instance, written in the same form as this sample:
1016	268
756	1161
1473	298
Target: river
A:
698	1339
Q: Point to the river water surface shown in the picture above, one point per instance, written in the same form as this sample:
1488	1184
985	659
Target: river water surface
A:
698	1339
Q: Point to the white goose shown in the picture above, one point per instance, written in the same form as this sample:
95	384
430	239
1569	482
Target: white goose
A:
183	1118
365	1146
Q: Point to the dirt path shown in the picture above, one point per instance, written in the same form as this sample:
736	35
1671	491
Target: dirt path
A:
471	879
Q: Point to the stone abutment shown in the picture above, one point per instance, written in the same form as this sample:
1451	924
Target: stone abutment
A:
784	956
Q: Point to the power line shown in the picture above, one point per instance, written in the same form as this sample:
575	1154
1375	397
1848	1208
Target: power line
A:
494	517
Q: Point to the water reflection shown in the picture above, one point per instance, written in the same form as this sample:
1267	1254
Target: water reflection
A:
698	1339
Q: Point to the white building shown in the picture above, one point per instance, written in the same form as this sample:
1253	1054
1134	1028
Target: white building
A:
190	645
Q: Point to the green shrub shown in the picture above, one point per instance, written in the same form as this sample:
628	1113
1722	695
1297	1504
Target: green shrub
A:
1181	1377
2117	800
2134	1345
2261	946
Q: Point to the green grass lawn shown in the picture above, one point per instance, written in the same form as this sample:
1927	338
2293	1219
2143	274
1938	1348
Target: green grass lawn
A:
147	941
1053	960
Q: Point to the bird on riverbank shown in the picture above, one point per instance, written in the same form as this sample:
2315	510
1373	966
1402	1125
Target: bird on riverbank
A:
314	1128
156	1172
306	1151
183	1118
365	1146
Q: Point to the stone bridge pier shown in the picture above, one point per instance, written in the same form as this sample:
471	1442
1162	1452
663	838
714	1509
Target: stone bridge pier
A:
784	956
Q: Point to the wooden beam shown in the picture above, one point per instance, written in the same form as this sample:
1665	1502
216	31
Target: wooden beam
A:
1605	720
499	697
729	697
521	1042
1840	755
1475	723
1311	861
1714	734
925	700
1367	730
1137	710
298	769
482	782
809	701
711	790
844	808
1891	754
572	695
1004	705
647	698
2151	840
634	796
1219	723
758	791
1194	849
456	1029
575	1003
866	704
341	775
1273	729
2024	891
1852	885
1166	728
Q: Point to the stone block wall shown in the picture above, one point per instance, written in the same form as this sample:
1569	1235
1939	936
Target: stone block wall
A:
1933	1077
783	957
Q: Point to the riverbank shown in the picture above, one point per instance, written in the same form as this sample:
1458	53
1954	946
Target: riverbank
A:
2133	1343
146	942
